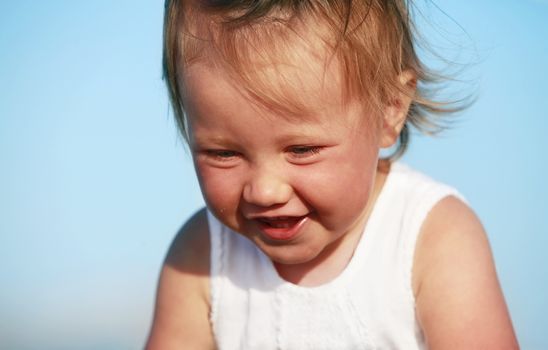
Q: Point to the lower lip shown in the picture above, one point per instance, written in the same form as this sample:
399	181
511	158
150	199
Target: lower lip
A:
282	234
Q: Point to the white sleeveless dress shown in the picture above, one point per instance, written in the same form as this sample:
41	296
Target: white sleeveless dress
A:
370	305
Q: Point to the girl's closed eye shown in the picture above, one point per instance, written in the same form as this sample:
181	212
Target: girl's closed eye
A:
304	152
221	153
220	157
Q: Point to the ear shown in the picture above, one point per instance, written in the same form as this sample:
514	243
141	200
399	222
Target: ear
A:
395	113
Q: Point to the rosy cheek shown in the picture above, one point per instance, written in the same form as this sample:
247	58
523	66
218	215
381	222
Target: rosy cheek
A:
220	189
350	185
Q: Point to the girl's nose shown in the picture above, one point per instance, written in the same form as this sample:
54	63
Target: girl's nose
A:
266	189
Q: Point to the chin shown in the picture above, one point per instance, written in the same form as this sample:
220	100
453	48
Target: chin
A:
289	254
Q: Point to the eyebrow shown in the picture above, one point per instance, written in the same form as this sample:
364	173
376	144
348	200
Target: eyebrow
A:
213	140
296	138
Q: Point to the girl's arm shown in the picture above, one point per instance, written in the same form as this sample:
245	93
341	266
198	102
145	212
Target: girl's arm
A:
181	318
458	297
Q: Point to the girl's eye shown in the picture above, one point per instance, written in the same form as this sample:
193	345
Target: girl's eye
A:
304	151
221	154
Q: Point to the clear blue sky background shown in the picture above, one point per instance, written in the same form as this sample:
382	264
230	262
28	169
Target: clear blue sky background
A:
94	182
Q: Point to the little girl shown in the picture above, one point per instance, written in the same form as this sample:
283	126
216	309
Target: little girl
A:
309	240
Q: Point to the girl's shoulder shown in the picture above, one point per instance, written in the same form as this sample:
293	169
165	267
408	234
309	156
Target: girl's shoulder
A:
459	301
190	247
182	303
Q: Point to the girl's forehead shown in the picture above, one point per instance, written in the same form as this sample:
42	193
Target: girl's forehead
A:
289	68
294	90
215	102
219	113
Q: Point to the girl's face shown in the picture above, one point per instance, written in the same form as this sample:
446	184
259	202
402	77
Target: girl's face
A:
293	186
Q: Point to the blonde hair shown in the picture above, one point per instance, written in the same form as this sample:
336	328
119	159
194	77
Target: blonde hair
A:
372	40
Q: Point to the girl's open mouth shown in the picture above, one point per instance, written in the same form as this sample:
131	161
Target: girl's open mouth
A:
281	228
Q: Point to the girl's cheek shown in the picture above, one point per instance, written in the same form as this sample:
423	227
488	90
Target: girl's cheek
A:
323	188
221	190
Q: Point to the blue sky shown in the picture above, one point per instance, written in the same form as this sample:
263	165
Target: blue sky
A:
94	181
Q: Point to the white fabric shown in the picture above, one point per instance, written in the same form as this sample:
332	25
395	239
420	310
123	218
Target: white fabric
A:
370	305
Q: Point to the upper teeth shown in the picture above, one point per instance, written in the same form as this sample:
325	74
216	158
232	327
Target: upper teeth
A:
281	224
279	218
